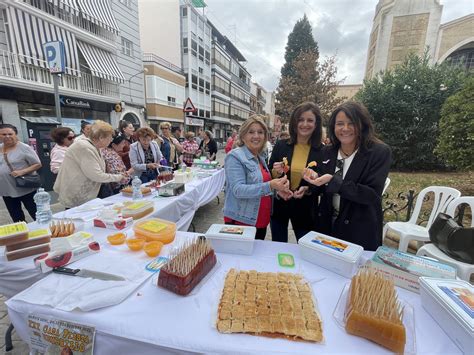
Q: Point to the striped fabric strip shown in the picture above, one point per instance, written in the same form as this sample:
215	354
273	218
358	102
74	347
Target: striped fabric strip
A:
99	12
101	63
68	5
30	32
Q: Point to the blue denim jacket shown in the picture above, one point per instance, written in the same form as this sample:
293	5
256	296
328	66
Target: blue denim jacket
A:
245	186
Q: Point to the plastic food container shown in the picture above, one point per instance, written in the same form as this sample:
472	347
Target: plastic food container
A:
331	253
153	249
135	244
36	237
13	233
155	229
73	241
451	303
116	239
232	239
28	251
137	210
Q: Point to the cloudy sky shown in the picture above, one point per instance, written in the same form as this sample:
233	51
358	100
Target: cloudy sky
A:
260	29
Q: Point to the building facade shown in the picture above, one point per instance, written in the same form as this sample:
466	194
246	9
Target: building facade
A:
98	66
401	27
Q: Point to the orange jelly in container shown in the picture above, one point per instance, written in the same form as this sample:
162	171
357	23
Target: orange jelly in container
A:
155	229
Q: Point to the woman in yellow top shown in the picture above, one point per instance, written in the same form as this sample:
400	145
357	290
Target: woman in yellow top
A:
291	157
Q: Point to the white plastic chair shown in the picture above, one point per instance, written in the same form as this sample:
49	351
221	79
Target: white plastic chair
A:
464	270
412	231
386	185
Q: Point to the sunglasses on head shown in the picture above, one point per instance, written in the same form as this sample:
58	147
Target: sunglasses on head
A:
70	138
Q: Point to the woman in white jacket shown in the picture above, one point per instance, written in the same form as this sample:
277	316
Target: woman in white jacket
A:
145	155
83	169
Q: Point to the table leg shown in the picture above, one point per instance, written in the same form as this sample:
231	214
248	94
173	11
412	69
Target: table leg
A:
8	338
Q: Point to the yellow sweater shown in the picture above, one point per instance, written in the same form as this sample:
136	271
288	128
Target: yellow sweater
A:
298	163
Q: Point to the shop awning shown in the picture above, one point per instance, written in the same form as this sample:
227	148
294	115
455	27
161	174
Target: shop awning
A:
101	63
29	32
68	5
99	12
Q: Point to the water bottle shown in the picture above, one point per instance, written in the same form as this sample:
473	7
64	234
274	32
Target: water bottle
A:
43	208
136	188
183	167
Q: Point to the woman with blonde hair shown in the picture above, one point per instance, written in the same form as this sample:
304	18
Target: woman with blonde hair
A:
249	183
83	169
169	146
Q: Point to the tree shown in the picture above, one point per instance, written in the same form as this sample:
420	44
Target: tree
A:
405	103
456	126
299	40
311	81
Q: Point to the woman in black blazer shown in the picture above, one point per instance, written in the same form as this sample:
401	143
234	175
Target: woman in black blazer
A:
303	147
352	176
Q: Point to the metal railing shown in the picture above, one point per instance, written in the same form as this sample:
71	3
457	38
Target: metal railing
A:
18	67
150	57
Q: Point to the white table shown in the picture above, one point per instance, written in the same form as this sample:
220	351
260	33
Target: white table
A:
17	275
153	320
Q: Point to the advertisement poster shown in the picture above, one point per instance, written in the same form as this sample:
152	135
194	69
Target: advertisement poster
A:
58	337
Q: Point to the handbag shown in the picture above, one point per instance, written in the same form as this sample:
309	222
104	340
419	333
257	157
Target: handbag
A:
25	181
452	238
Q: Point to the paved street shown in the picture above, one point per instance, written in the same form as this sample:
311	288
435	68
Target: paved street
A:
205	216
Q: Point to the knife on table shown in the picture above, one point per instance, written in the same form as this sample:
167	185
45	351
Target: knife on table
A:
88	273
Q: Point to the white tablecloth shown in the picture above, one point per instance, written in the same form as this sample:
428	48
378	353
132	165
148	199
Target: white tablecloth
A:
17	275
153	320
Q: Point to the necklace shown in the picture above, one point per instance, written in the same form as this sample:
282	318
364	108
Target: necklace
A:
343	153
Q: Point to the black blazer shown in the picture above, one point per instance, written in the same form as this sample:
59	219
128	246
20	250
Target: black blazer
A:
360	212
301	211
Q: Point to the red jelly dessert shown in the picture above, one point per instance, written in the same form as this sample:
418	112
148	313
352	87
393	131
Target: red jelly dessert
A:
187	266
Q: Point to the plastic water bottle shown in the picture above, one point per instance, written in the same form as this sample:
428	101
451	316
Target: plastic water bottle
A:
43	208
136	188
183	167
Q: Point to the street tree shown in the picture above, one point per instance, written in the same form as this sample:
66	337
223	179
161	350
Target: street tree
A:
405	103
456	129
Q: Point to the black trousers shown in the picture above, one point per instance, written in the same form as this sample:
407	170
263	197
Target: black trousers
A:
261	232
14	206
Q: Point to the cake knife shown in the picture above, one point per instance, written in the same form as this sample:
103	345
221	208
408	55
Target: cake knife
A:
88	273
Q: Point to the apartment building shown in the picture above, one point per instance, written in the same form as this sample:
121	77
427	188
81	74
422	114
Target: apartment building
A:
164	77
230	95
102	60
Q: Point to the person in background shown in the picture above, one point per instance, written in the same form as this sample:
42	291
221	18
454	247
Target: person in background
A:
284	136
83	168
208	147
16	159
126	129
114	163
177	133
352	179
198	137
230	142
170	147
190	148
302	147
145	155
249	184
85	130
63	137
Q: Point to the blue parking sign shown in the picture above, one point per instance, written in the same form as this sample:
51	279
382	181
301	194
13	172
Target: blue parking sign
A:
55	56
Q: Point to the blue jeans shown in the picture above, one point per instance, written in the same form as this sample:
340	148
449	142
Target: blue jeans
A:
279	229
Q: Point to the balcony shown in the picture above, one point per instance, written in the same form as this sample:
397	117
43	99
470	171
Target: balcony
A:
14	66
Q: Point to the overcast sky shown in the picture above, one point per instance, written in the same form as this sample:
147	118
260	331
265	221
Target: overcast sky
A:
260	30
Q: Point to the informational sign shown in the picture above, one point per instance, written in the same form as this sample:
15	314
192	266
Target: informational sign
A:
190	121
55	56
73	102
54	336
188	106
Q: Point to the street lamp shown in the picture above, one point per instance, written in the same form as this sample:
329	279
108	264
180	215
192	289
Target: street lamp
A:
144	70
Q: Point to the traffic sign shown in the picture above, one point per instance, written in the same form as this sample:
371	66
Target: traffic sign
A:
188	106
55	56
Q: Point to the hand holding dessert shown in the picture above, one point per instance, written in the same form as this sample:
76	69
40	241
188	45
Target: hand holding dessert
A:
281	184
313	178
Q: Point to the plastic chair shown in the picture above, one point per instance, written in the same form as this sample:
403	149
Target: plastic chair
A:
386	185
412	231
464	270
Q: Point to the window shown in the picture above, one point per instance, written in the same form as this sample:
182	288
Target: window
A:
194	47
185	44
201	71
201	53
194	81
127	47
127	3
185	11
172	101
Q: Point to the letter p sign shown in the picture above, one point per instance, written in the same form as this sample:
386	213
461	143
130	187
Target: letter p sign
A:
55	56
